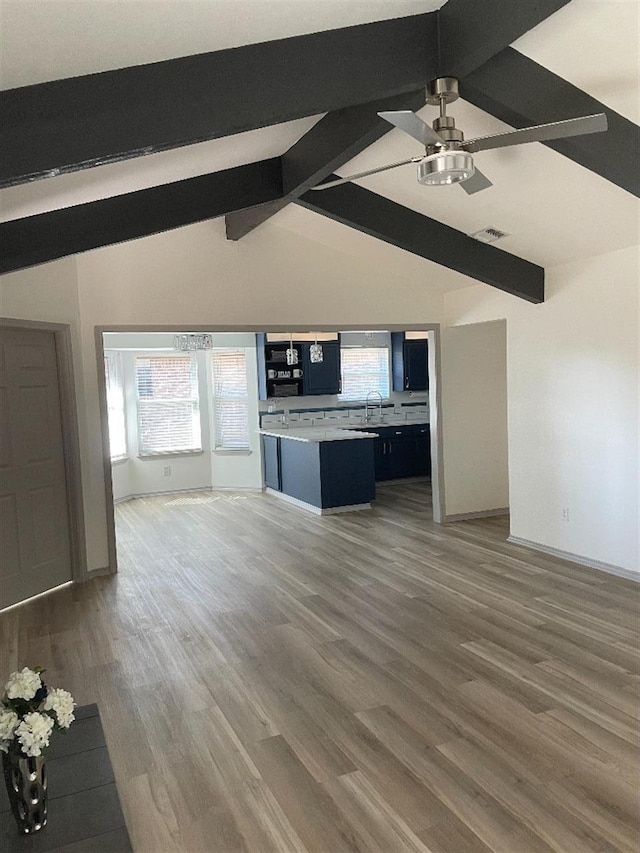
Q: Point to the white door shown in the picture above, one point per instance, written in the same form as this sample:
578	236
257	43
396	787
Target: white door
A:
35	553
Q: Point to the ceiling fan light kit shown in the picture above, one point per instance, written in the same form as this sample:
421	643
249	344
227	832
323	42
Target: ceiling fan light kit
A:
447	159
448	167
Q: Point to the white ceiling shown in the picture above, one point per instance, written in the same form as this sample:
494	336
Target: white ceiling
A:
51	39
554	210
594	45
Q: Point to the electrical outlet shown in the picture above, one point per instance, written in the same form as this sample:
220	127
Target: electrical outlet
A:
565	513
166	471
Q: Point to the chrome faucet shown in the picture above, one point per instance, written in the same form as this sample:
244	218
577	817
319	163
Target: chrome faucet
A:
367	407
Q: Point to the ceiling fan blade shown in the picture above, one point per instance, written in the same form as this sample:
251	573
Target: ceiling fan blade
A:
475	183
368	172
541	132
413	125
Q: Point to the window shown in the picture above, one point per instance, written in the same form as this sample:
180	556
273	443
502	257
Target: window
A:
115	405
230	399
168	411
364	369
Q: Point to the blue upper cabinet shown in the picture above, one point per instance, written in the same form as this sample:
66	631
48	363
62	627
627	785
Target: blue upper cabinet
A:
410	361
322	377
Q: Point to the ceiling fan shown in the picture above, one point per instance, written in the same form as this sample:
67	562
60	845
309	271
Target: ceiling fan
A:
447	158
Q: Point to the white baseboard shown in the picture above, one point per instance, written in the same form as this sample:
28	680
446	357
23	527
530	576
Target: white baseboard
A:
99	572
483	513
185	491
316	510
577	558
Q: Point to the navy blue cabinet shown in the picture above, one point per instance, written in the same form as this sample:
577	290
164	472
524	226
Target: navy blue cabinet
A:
400	454
380	459
322	377
410	363
324	474
271	462
422	450
402	451
347	473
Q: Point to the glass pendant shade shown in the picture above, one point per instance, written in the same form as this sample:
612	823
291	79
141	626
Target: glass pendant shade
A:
316	356
449	167
292	353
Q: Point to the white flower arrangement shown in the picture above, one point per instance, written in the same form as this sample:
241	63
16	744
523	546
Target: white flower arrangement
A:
30	711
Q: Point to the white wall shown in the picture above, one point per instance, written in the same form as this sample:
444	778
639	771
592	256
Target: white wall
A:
120	480
193	276
474	418
572	379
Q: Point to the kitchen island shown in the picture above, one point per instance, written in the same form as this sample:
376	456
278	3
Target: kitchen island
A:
324	470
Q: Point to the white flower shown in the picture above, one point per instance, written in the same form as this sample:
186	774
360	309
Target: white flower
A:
4	745
62	704
23	685
34	732
8	722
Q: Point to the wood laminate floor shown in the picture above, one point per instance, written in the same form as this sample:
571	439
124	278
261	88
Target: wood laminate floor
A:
271	680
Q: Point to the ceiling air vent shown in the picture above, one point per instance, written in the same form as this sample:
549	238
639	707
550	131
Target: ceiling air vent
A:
489	235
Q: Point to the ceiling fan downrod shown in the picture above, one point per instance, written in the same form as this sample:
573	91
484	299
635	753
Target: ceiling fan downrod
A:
440	92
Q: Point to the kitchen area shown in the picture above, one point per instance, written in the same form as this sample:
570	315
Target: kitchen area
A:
329	458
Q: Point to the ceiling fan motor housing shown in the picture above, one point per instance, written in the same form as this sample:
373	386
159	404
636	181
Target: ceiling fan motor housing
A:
445	126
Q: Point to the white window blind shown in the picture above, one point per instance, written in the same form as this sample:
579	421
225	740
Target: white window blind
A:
230	399
364	369
168	409
115	405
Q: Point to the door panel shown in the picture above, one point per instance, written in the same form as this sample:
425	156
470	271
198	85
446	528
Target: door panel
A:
6	442
416	365
35	552
324	376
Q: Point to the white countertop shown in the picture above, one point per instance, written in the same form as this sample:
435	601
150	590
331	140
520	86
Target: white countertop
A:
332	430
316	434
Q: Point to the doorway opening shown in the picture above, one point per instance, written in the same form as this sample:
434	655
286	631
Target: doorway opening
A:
186	424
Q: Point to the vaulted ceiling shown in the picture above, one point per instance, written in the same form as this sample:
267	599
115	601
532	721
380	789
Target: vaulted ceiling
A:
216	122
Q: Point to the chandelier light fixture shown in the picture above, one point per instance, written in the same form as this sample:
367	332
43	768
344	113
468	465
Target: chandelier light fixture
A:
192	343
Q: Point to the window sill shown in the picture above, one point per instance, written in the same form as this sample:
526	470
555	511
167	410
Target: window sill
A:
117	460
164	453
223	451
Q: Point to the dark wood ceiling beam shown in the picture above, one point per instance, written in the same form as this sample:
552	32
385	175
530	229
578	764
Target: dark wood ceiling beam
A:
385	220
472	32
332	142
520	92
48	236
67	125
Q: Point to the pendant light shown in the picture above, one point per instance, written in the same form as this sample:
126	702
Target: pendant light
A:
316	355
292	354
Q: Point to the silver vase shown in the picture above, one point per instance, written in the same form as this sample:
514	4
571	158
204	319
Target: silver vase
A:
26	780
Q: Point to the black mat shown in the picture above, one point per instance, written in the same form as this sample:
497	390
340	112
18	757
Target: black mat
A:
84	809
